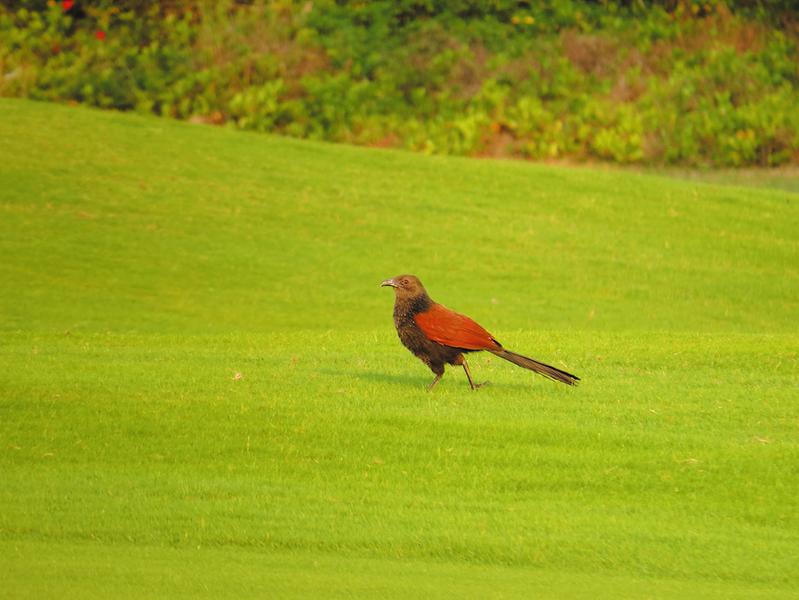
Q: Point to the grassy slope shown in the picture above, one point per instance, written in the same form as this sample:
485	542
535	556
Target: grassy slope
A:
143	225
150	261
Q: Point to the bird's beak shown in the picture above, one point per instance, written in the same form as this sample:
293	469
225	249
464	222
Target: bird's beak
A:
389	282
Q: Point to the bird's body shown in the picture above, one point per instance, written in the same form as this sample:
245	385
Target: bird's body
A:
434	354
439	336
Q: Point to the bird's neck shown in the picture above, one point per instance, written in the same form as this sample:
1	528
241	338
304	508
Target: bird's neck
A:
407	308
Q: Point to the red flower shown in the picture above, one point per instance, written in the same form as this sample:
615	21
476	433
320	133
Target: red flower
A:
66	5
100	34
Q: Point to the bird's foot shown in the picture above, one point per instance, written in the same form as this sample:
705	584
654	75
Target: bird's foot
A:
477	386
433	384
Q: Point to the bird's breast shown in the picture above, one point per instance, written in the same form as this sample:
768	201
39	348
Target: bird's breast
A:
411	336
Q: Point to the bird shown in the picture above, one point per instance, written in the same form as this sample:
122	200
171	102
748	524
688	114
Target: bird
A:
439	336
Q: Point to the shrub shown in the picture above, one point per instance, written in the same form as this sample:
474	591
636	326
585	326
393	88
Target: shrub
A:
685	82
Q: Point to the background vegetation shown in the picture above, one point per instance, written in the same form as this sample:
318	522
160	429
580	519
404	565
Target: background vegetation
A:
681	82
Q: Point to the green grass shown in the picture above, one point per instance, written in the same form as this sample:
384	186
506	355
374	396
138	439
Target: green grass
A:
784	178
147	262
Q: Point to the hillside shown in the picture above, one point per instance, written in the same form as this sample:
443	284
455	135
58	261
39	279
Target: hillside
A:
137	224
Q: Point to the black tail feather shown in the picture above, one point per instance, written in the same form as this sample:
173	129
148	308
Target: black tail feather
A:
548	371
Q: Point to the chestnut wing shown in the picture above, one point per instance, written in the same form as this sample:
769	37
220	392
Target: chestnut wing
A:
449	328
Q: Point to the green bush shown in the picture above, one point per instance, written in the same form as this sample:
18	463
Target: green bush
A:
685	82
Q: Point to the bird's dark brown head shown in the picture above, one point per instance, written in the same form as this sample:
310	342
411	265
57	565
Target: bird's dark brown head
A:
406	286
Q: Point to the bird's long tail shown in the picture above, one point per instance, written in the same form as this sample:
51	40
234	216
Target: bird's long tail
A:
539	367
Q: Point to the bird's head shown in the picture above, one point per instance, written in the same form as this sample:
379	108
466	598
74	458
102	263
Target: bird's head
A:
405	286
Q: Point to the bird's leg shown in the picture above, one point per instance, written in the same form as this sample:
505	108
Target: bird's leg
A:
435	381
469	374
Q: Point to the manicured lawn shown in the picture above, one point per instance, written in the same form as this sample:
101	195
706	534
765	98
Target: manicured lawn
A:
202	394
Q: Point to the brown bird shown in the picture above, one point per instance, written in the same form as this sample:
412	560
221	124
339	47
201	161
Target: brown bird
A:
438	335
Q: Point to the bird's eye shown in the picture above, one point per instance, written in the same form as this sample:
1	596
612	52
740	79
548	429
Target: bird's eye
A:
405	282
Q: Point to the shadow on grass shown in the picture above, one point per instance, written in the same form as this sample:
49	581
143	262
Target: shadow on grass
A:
413	382
405	380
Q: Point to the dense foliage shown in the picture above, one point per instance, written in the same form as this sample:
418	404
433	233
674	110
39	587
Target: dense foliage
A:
683	82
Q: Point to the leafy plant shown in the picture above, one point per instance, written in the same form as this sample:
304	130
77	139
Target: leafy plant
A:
711	83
